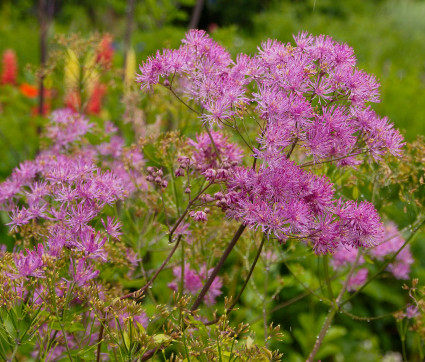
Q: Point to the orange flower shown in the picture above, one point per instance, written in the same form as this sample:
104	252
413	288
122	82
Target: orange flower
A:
28	90
10	67
94	104
105	51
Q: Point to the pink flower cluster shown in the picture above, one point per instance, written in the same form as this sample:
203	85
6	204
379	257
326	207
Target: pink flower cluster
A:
127	164
392	242
310	98
205	157
66	127
65	192
194	280
284	200
311	92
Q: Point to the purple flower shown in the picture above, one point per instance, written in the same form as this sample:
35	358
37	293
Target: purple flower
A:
112	227
80	215
357	279
59	237
30	264
287	80
345	255
83	272
66	126
198	215
194	280
412	311
123	317
183	230
361	225
215	288
19	217
205	157
391	242
91	243
132	257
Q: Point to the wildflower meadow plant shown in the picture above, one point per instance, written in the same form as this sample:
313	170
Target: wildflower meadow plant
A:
122	244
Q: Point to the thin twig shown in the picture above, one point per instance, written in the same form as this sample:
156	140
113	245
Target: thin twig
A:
99	340
313	163
251	270
336	306
140	291
213	142
292	148
217	268
384	266
181	100
189	205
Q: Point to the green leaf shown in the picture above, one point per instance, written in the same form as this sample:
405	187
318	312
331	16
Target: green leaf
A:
335	332
130	284
126	339
160	339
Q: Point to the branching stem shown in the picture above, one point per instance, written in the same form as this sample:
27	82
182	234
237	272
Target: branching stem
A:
217	268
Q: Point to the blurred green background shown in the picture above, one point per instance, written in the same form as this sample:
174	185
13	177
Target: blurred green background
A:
388	36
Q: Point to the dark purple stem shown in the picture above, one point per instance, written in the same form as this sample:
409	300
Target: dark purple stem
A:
196	14
217	268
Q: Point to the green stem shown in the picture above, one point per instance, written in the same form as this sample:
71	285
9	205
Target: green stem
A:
266	280
335	307
322	335
15	350
181	100
173	183
328	280
184	339
99	340
181	287
165	210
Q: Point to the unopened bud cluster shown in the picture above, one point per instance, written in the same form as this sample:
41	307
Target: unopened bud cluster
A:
220	174
156	176
184	163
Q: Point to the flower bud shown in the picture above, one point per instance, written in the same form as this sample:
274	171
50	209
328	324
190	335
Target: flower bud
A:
183	161
198	216
207	198
218	195
210	174
179	172
225	164
222	174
